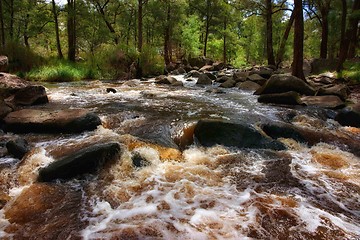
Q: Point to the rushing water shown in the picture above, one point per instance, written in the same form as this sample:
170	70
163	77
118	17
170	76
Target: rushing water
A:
305	192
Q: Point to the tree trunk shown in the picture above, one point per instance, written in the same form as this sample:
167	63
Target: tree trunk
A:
207	26
108	24
140	25
167	36
58	44
352	27
281	51
71	27
324	32
224	41
269	33
2	25
353	33
12	13
298	56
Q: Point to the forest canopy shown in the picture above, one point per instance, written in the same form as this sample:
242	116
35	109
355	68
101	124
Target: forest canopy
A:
123	39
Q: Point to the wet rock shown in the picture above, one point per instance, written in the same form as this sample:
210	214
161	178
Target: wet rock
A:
4	62
248	85
287	98
340	90
132	83
329	101
223	79
210	132
280	83
87	160
56	205
31	95
181	70
64	121
177	84
165	80
211	76
240	76
110	90
349	116
282	131
263	72
215	91
204	80
18	147
193	73
218	66
156	132
4	109
257	79
228	84
206	68
139	161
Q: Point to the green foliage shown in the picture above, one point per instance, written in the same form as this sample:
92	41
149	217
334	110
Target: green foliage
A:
351	71
190	36
21	59
151	62
61	71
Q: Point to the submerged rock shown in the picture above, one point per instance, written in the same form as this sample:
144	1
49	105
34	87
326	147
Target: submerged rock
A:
280	83
139	161
210	132
87	160
46	211
64	121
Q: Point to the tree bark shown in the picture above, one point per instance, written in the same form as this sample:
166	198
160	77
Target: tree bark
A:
2	25
140	25
353	33
58	44
12	13
71	27
207	25
324	9
167	35
224	41
298	56
269	33
107	23
281	51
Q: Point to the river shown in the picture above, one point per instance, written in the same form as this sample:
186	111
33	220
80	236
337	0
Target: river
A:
304	192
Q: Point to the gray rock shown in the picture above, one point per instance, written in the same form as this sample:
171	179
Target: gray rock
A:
18	147
204	80
287	98
248	85
257	79
4	62
280	83
349	116
328	101
87	160
340	90
241	135
31	95
228	84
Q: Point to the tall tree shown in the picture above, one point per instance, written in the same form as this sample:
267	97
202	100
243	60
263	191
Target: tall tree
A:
2	25
298	56
281	51
269	32
71	29
57	34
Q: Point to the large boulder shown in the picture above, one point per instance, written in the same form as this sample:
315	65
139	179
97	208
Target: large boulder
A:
4	62
280	83
86	160
287	98
204	80
349	116
10	84
241	135
239	76
65	121
31	95
328	101
320	65
228	84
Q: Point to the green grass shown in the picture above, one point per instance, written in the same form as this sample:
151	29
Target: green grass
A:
61	72
351	71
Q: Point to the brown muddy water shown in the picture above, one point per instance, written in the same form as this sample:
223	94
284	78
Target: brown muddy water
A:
305	192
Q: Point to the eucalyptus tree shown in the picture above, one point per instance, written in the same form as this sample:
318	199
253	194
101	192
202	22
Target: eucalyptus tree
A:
298	54
71	29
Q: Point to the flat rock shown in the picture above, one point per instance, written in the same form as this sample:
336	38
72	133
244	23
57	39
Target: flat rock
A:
287	98
328	101
64	121
86	160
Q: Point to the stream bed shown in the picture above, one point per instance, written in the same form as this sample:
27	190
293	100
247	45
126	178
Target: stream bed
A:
191	192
